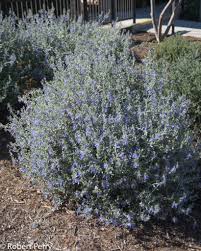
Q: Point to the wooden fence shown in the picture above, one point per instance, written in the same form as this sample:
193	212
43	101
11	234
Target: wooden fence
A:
89	9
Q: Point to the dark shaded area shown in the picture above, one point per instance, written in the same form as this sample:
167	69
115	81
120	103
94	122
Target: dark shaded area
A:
5	137
191	10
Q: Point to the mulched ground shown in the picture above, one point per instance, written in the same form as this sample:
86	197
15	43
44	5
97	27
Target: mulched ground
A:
27	217
144	41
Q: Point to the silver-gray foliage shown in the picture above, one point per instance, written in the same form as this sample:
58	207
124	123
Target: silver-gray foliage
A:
28	47
104	134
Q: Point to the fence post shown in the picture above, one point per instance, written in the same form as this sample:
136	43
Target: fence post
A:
3	6
113	9
173	25
200	12
85	11
134	11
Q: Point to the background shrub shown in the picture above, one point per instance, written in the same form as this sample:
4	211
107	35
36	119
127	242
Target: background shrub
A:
22	64
175	47
181	63
103	134
28	48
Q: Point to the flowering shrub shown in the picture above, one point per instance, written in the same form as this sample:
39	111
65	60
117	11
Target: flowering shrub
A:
103	134
28	48
22	65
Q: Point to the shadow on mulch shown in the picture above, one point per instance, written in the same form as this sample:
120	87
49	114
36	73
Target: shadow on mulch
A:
5	138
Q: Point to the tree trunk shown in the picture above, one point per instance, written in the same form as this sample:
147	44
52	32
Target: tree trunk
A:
153	17
158	28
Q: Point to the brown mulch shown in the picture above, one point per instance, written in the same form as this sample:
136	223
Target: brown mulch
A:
26	217
141	51
141	37
193	39
144	41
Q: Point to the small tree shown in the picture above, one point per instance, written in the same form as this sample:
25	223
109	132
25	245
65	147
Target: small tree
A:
157	25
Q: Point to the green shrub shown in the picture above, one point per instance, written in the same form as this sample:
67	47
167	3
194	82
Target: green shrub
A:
180	61
186	80
103	134
175	47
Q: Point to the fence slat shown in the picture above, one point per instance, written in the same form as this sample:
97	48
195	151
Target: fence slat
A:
17	10
89	9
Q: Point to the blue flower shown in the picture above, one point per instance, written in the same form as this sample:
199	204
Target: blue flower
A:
135	156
